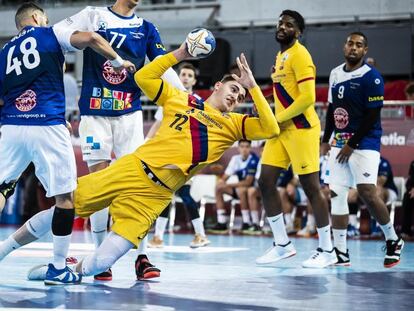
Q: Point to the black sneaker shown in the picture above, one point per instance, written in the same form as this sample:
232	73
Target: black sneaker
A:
144	269
253	230
245	226
218	228
343	258
394	248
104	276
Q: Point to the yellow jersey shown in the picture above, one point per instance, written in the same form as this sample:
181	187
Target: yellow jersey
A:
293	67
193	133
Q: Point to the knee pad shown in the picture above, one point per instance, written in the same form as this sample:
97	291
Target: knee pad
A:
95	264
339	200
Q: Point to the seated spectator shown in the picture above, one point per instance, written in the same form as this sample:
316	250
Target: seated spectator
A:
408	204
244	165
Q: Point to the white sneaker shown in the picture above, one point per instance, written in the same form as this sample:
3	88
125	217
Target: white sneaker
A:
276	252
320	259
37	273
199	241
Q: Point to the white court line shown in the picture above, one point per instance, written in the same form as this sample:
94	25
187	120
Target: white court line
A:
42	247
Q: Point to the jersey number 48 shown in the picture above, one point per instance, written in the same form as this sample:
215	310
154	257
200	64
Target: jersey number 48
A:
30	59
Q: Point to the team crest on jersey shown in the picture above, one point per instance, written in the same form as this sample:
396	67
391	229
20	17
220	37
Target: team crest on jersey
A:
111	76
102	26
341	118
282	63
26	101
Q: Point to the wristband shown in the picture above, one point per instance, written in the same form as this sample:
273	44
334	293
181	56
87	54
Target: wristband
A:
117	62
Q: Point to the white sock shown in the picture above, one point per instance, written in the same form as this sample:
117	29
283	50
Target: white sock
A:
324	234
245	216
278	228
221	216
353	220
160	226
143	246
389	232
7	247
112	248
198	226
255	217
339	237
310	221
99	223
60	250
288	219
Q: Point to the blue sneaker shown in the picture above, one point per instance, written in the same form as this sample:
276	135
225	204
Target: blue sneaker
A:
352	231
63	276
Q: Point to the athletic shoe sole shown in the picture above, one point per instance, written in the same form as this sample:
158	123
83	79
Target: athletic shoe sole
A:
287	255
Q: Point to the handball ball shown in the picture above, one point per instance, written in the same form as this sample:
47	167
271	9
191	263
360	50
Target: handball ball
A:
200	43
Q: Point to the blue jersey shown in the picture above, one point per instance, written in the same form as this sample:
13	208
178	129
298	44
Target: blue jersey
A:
242	168
285	177
104	91
351	94
385	170
31	77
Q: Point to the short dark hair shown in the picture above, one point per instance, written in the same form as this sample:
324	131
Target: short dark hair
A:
245	141
23	9
228	77
358	33
187	65
300	21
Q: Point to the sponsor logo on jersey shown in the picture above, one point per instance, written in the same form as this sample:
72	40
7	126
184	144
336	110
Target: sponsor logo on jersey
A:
340	139
26	101
375	98
111	76
341	118
207	120
160	46
69	21
106	99
137	35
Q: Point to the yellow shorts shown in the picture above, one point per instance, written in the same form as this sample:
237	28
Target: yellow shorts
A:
134	200
298	147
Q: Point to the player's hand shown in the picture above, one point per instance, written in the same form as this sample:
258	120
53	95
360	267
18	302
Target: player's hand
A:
130	67
246	78
324	149
69	127
344	154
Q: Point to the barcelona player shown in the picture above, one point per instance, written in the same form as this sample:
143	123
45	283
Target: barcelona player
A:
298	144
193	133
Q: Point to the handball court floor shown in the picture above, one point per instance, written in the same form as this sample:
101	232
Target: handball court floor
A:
222	276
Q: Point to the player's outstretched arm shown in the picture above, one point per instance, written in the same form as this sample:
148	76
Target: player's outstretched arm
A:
265	126
84	39
149	79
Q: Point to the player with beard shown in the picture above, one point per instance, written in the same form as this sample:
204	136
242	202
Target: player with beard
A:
356	94
298	144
